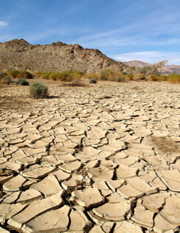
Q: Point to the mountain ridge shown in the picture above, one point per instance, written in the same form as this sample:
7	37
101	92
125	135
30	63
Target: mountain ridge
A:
58	56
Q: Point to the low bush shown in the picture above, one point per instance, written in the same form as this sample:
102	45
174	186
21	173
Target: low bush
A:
173	78
25	74
4	78
45	76
110	75
159	78
153	77
139	76
38	91
13	73
39	74
20	74
90	76
121	79
163	77
93	80
22	81
129	77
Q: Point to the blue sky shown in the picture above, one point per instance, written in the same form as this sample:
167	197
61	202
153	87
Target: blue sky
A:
122	29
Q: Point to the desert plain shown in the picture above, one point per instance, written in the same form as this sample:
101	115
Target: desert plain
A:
99	158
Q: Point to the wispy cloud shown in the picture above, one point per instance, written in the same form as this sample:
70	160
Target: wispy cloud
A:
3	24
150	57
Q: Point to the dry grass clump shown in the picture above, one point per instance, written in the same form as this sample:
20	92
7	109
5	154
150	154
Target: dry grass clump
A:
64	76
93	80
128	77
22	81
4	78
173	78
111	75
158	78
139	77
20	74
90	76
38	91
107	75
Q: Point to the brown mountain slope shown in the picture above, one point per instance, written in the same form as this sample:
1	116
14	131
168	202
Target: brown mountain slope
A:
167	69
136	63
19	54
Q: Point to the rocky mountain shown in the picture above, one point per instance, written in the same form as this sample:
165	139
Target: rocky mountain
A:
167	69
58	56
136	63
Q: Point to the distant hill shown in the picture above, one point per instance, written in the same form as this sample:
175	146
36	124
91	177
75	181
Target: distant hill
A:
58	56
167	69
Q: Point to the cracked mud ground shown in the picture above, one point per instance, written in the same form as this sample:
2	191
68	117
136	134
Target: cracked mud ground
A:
103	158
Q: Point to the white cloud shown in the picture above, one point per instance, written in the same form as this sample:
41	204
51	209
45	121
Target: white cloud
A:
150	57
3	24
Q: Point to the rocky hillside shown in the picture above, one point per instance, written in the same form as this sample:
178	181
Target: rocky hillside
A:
19	54
167	69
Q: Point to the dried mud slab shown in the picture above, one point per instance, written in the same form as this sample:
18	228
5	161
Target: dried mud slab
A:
102	158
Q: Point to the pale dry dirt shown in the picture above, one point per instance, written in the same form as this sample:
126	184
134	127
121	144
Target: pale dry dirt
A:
99	158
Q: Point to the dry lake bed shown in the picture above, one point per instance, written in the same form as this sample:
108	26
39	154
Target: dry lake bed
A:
104	158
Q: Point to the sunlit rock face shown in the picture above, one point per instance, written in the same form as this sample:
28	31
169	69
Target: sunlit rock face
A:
19	54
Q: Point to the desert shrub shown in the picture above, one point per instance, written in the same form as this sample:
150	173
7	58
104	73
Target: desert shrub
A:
13	73
66	76
22	81
4	78
139	76
77	74
53	76
129	77
90	76
153	77
163	77
25	74
39	74
159	78
173	78
45	76
38	91
93	80
20	74
121	79
150	69
109	74
105	74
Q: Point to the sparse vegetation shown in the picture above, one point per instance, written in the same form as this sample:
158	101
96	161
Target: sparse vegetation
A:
4	78
13	73
93	80
139	76
20	74
64	76
25	74
150	70
149	73
38	91
110	75
22	81
173	78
